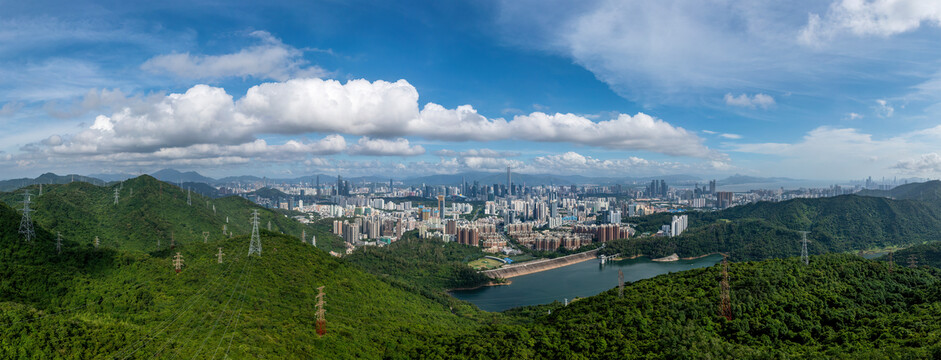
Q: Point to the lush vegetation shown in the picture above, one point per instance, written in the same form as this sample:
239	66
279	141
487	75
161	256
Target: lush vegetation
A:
426	266
929	191
770	230
925	254
90	303
124	299
840	306
149	211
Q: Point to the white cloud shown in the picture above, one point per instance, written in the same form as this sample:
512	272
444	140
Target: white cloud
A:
662	50
871	18
486	153
383	147
853	116
380	109
758	100
730	136
205	122
840	153
926	164
271	59
883	108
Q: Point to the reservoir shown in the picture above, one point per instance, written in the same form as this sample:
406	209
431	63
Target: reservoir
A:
577	280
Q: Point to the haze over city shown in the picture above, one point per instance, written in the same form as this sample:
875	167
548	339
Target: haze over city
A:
832	90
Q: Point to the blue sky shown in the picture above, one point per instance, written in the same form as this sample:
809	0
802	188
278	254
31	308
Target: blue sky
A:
834	90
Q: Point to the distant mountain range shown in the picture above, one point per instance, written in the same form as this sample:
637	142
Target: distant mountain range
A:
47	178
488	178
923	191
738	179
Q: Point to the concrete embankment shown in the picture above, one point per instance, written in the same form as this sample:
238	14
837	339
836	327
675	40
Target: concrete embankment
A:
539	265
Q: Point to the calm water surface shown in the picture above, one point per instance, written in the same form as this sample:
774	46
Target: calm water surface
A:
579	280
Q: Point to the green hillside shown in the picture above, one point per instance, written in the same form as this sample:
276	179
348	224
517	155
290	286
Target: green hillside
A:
926	191
46	179
89	303
149	211
768	230
840	306
925	254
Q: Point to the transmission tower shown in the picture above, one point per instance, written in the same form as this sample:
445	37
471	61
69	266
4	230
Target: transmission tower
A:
255	246
805	258
725	299
313	240
116	195
269	225
620	283
891	262
304	235
912	261
132	192
205	237
189	199
321	319
213	209
40	189
97	242
178	262
219	255
26	224
224	229
59	244
172	241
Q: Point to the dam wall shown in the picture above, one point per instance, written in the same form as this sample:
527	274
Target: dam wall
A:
530	267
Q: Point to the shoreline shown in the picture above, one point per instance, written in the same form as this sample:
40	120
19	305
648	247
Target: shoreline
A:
488	284
540	265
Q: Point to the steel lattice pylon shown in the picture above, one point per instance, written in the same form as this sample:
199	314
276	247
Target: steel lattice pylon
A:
255	246
26	224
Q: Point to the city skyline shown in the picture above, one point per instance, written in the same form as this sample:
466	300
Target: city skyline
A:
831	90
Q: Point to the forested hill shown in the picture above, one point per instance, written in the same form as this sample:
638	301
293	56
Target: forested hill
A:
840	306
88	303
767	230
148	211
929	191
925	254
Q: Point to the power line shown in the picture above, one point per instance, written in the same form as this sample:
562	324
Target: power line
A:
321	318
725	298
805	258
26	223
192	300
255	246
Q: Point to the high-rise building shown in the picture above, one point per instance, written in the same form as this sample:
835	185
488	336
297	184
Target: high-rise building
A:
509	184
723	199
678	225
712	186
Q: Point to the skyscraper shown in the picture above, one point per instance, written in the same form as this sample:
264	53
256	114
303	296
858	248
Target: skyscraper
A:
509	184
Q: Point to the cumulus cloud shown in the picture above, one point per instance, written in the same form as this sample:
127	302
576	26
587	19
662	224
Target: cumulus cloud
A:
379	110
758	100
486	153
383	147
271	59
870	18
926	164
